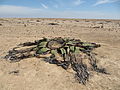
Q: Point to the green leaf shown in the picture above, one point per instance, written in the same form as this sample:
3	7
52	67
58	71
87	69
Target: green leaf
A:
42	50
72	48
81	48
35	48
42	44
87	44
63	51
54	52
70	43
68	49
77	49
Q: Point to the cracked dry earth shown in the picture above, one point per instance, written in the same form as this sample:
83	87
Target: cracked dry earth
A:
35	74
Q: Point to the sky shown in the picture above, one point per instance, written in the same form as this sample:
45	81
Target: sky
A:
87	9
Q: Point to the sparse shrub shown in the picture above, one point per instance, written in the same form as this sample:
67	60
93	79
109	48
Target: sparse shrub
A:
0	24
53	24
37	20
76	20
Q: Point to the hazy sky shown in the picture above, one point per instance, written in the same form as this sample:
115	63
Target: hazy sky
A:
105	9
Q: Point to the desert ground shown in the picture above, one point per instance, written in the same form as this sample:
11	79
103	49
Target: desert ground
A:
35	74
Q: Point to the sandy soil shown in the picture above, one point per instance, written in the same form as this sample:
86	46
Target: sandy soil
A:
35	74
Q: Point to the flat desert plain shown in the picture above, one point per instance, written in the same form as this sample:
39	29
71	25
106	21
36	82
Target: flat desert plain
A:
35	74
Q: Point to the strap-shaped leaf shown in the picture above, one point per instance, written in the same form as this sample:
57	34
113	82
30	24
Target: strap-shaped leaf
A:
42	44
69	43
67	49
42	50
81	49
77	49
63	51
54	52
35	48
72	48
88	44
